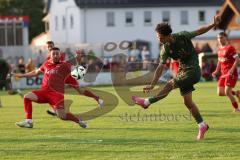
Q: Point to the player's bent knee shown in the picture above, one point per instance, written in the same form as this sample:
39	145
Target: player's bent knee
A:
221	94
30	96
62	117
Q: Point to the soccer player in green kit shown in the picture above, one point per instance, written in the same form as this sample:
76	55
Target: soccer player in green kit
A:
179	47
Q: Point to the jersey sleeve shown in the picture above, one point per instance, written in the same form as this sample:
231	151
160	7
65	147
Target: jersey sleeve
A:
164	54
232	52
189	35
42	67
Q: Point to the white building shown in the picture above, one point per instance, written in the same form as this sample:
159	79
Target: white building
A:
102	21
14	37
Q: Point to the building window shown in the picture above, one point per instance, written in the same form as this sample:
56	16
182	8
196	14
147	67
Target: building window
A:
63	23
147	18
56	23
71	22
184	17
129	18
10	34
201	16
3	34
166	16
110	19
19	33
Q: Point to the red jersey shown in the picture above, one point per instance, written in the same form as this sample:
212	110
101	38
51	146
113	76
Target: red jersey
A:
55	75
69	80
226	57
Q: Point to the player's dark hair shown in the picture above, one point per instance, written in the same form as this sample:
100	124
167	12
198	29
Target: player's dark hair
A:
164	29
50	42
223	34
55	49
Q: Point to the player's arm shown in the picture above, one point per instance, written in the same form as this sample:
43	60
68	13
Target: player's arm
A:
33	73
205	29
156	76
164	56
217	70
235	64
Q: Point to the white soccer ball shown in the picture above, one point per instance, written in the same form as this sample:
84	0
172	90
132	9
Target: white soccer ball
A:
78	72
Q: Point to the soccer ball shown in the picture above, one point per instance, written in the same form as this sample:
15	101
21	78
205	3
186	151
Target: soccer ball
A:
78	72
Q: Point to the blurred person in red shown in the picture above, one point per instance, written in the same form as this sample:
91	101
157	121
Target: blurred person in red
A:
72	81
52	89
228	61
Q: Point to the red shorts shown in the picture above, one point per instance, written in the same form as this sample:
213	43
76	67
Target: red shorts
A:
72	82
229	81
55	99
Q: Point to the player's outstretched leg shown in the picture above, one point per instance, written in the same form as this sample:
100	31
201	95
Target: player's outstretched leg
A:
70	117
237	94
28	123
203	127
229	94
146	102
90	94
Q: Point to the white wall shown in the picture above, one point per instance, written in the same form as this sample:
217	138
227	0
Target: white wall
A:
67	35
97	31
90	24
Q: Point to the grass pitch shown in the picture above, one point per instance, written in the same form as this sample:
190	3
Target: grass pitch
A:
125	133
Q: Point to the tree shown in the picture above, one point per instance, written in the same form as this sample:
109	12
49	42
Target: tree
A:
31	8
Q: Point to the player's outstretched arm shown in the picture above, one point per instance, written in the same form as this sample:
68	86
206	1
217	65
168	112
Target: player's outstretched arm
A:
156	77
205	29
33	73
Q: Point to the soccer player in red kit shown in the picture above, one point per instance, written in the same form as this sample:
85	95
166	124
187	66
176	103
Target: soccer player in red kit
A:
73	82
227	63
52	90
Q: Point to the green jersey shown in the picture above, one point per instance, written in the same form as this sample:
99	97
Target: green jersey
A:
181	49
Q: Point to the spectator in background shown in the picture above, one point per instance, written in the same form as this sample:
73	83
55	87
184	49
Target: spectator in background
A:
5	78
21	66
40	58
91	55
145	55
197	48
106	65
134	54
212	66
30	66
81	57
206	74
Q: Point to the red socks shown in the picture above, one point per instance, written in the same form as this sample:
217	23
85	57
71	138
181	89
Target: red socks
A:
234	92
28	108
71	117
90	94
235	105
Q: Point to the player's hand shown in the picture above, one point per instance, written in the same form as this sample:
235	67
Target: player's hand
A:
231	72
217	20
214	74
147	89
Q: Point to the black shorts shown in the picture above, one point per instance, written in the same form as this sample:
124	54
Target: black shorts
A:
186	78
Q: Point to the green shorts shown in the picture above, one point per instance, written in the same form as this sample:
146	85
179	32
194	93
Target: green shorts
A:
186	78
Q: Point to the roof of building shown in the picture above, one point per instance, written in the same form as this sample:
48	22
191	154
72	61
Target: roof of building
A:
145	3
236	4
227	12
